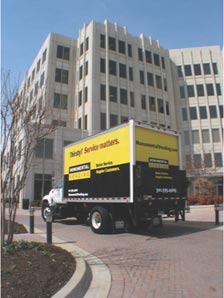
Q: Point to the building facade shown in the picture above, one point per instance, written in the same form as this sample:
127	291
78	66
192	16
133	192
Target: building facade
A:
107	76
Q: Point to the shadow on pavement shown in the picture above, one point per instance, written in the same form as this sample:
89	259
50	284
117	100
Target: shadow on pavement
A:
171	229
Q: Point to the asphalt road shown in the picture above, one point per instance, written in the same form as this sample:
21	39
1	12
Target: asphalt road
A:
183	259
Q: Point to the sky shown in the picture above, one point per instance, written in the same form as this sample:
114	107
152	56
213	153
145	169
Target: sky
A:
25	24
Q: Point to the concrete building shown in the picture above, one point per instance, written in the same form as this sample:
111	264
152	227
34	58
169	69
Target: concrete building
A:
197	79
107	76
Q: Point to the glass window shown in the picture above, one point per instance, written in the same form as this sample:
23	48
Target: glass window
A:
122	70
200	90
215	68
131	78
163	62
197	161
87	43
148	56
160	106
215	135
213	111
102	121
129	50
208	160
205	136
179	71
142	80
113	120
218	159
156	59
152	103
121	46
81	49
186	137
150	79
158	82
44	149
187	70
197	69
102	92
221	111
112	44
85	122
42	79
80	98
60	101
80	72
195	137
113	93
102	41
123	96
143	102
190	91
207	69
86	68
86	94
210	89
63	52
61	76
38	65
218	89
182	92
140	54
167	108
165	84
44	56
102	65
112	68
132	99
193	113
203	112
184	114
42	185
80	123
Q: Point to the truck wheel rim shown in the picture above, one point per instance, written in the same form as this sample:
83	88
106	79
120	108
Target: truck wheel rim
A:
96	220
46	210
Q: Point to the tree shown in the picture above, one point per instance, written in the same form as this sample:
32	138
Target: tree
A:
23	125
203	187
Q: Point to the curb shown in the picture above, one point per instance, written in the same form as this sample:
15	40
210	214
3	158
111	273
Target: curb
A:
91	279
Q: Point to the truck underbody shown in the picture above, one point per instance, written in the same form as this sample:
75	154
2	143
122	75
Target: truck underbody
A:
110	217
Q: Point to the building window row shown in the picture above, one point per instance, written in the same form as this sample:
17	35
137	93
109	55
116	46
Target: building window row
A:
36	69
197	69
121	47
205	136
85	70
83	121
151	80
200	90
202	112
81	97
203	161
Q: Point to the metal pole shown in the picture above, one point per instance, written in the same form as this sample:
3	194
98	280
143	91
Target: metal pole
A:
217	214
31	211
49	232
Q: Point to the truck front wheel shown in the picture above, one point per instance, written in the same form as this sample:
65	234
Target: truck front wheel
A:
45	208
100	220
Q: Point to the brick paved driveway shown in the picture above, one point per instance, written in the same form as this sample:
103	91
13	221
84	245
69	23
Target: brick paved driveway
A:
183	259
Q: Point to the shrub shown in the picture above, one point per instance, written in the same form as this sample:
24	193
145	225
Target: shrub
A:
205	200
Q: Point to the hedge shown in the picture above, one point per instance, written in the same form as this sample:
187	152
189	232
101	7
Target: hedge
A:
204	200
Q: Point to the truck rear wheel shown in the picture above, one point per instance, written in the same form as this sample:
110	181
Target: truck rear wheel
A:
100	220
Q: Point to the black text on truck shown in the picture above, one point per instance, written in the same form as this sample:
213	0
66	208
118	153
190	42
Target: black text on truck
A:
122	177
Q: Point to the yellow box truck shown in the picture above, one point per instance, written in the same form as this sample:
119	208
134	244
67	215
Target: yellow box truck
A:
122	177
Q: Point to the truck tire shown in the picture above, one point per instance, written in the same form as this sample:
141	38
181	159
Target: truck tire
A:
45	207
100	220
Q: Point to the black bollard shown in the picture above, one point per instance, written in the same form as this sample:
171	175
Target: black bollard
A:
31	212
217	208
49	218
